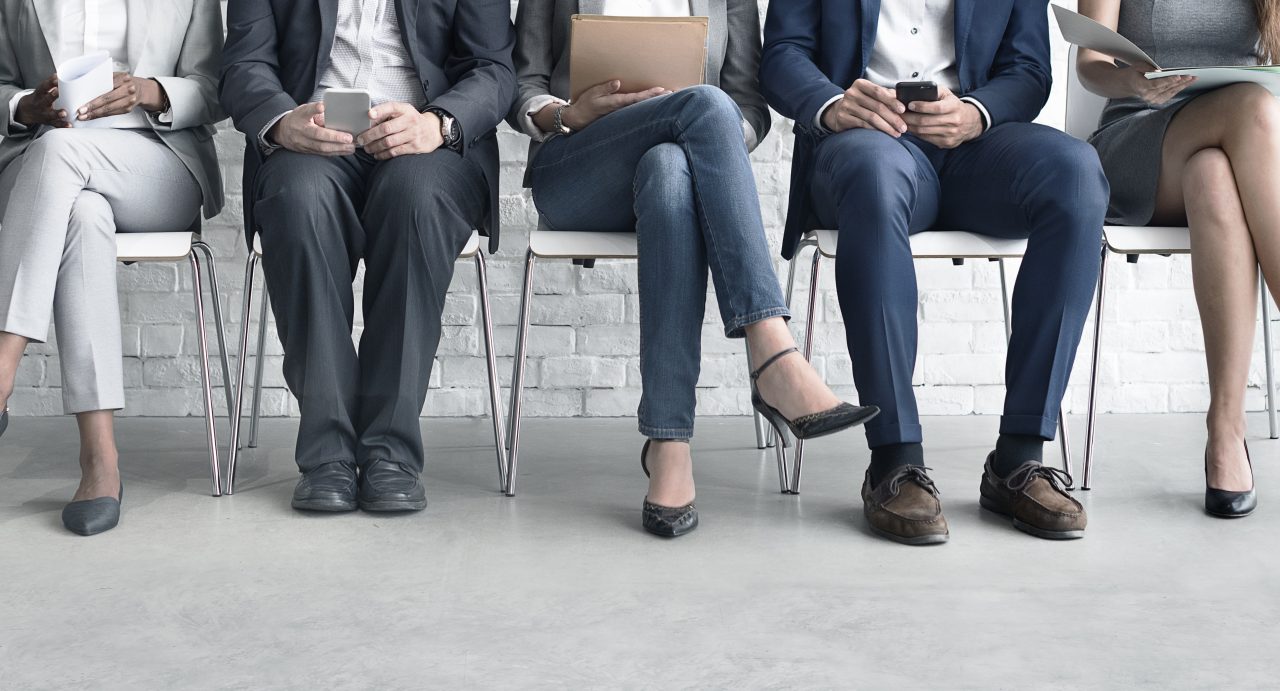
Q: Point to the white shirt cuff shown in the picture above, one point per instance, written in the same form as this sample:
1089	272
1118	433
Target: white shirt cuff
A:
531	107
266	146
986	117
14	125
817	120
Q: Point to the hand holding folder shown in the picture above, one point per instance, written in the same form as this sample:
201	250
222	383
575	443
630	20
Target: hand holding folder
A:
640	52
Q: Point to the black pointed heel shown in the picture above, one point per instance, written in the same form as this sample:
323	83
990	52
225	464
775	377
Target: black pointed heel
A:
665	521
810	426
1224	504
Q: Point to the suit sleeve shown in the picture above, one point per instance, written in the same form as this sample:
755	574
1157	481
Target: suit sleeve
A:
479	67
1021	75
193	90
534	60
789	74
740	76
250	89
11	83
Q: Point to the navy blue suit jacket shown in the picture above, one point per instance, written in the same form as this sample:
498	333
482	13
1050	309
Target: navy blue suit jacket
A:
815	49
276	51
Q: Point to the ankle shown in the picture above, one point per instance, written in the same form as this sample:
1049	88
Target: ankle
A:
99	461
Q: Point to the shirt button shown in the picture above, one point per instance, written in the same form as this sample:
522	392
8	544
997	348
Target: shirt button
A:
915	74
914	31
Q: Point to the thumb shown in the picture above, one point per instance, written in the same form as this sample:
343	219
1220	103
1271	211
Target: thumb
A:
611	87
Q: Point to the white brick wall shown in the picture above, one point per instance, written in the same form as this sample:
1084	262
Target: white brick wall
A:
583	347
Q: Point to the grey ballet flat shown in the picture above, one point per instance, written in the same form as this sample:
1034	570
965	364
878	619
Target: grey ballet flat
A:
4	421
93	516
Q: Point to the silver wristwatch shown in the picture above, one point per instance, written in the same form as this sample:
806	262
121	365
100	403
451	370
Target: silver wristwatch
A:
561	128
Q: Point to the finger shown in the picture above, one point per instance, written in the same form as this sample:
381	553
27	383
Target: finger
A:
325	135
388	111
391	126
325	148
114	107
939	107
874	121
402	150
102	100
389	142
890	117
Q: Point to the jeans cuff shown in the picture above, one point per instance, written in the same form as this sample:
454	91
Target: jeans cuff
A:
1032	425
666	433
737	327
884	435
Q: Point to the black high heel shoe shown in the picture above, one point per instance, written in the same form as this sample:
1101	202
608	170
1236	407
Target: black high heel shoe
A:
814	425
4	421
1224	504
665	521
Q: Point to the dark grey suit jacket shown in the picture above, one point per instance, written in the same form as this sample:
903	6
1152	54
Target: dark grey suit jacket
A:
276	51
733	53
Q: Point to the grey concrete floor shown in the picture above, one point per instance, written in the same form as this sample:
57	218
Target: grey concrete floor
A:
559	587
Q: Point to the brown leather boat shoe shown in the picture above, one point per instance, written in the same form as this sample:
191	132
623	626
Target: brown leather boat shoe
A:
904	507
1036	501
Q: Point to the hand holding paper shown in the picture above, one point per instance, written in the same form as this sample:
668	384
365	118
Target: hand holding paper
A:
82	79
37	108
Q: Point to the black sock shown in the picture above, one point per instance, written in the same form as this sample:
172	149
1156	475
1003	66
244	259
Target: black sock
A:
1012	450
886	459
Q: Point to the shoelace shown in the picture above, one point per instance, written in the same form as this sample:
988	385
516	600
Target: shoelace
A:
1027	472
914	473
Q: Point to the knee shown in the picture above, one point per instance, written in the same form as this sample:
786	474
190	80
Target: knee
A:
865	159
90	212
1256	112
298	182
664	171
1071	178
55	146
710	102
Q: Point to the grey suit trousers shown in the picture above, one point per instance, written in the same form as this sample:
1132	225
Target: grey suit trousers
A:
407	218
61	205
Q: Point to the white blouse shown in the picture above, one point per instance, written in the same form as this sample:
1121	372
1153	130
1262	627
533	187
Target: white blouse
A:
647	8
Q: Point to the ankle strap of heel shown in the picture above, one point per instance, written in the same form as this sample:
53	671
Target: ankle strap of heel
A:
756	374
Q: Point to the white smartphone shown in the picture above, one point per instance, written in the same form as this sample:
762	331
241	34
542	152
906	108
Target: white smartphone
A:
346	110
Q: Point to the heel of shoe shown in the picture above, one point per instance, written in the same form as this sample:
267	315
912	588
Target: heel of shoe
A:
4	421
780	424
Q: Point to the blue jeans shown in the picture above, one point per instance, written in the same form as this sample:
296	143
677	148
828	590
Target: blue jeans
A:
675	170
1016	181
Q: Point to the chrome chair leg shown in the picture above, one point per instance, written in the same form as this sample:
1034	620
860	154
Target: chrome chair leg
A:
812	311
1092	415
491	358
1269	357
218	321
206	374
259	360
237	405
517	377
789	294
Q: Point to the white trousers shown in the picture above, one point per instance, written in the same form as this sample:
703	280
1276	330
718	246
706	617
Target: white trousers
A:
61	205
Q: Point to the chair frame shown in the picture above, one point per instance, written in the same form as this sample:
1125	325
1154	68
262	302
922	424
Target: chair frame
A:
810	240
470	251
621	246
136	252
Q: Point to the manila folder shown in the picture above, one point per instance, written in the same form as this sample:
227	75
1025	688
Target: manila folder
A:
641	52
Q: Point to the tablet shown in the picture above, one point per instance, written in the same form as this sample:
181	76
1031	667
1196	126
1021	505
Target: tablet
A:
347	110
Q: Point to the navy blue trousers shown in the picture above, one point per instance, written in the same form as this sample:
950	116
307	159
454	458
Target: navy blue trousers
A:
1016	181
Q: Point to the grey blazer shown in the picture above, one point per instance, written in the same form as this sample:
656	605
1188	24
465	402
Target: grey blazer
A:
733	55
177	42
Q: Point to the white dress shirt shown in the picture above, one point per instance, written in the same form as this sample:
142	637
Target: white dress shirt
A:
915	42
368	53
88	26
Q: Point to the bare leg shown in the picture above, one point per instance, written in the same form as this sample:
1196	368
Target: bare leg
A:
1235	226
670	473
11	349
791	384
100	474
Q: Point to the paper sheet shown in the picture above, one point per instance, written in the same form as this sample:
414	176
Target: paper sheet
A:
81	80
1086	33
1216	77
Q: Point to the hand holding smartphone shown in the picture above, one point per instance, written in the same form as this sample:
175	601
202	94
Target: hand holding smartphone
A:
909	92
347	110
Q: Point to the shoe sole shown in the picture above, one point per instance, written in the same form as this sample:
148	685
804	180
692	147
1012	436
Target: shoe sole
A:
673	533
1215	514
1031	529
322	506
393	506
917	541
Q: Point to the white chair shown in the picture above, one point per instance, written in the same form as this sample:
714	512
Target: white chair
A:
954	245
584	248
470	251
178	247
1084	109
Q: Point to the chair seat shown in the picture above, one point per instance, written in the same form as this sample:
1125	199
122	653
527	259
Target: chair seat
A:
555	244
468	251
934	244
1148	240
153	247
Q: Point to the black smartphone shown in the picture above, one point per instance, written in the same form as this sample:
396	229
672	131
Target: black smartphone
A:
916	91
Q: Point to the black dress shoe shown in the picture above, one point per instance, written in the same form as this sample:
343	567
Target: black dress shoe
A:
813	425
391	486
1225	504
328	487
93	516
665	521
